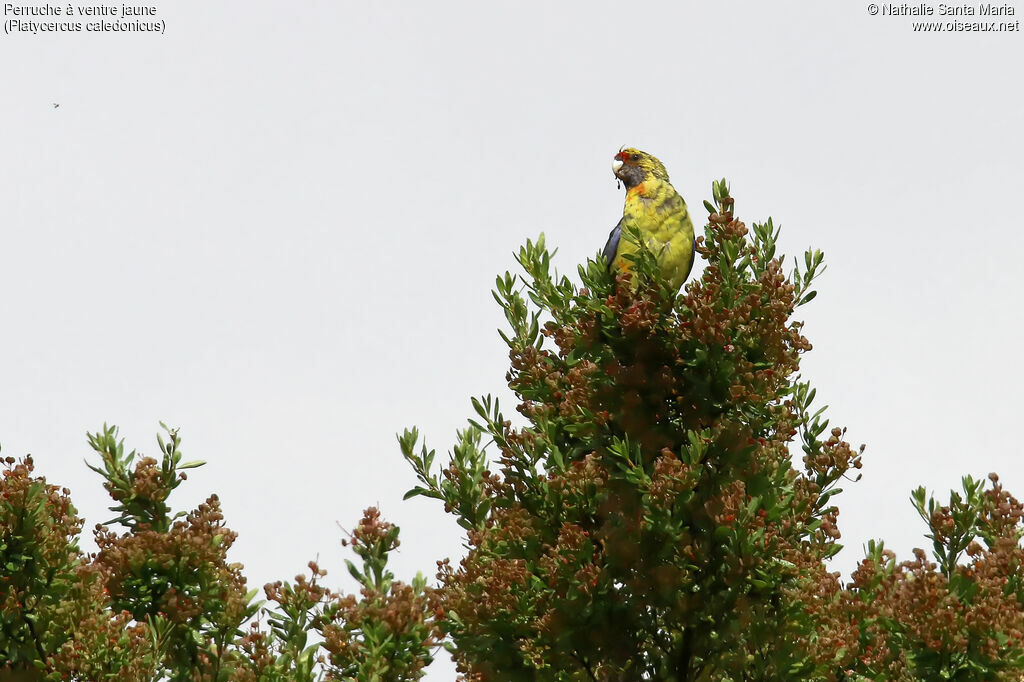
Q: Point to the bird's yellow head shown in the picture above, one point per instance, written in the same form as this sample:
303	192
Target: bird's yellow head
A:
633	166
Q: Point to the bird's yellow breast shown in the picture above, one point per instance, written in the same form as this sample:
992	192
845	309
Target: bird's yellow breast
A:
655	209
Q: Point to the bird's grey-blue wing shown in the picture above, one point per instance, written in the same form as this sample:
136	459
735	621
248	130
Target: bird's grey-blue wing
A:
612	246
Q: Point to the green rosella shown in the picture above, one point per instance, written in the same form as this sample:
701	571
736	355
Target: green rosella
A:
653	207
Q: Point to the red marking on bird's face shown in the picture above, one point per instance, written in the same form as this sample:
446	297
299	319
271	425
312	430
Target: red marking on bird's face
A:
622	156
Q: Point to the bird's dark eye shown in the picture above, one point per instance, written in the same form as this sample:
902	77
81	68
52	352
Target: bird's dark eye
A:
636	157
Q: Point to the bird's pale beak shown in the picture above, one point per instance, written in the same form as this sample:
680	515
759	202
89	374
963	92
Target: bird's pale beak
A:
616	165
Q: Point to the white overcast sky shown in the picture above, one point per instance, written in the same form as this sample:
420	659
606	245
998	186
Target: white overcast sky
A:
277	225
